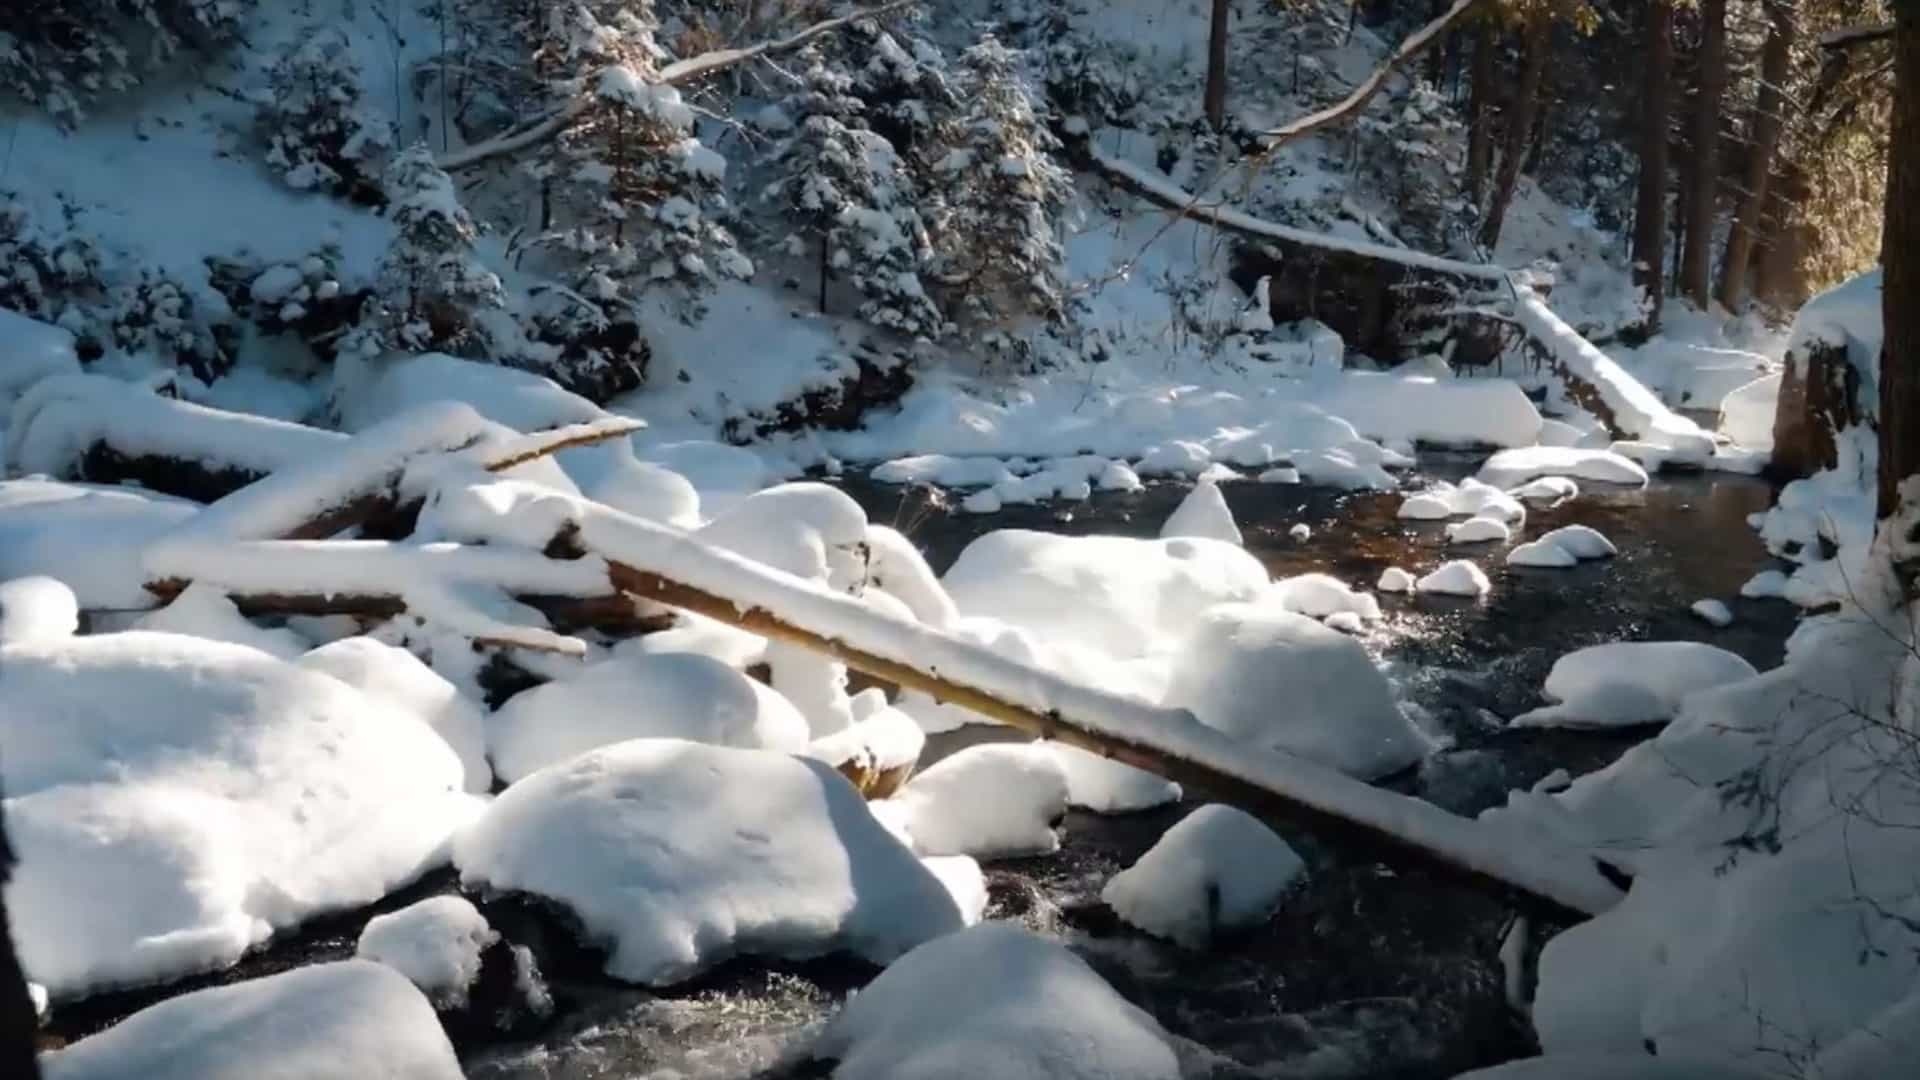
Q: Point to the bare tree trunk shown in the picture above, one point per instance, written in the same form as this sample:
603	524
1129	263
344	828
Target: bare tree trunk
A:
1900	259
1480	107
1776	64
1536	43
1216	99
18	1019
1696	259
1650	204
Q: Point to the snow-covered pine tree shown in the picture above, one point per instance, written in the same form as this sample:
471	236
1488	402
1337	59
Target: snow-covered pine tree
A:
906	90
633	194
321	134
848	194
62	55
433	293
999	193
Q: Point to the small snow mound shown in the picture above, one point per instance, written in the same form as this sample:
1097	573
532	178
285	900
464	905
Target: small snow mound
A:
994	1001
988	801
1319	596
1511	468
1581	541
1469	498
351	1018
1767	584
1553	490
203	611
1203	513
1479	530
1105	786
1282	474
395	676
665	695
435	943
88	536
1713	612
1218	869
1540	554
37	608
1456	578
1243	658
1395	580
895	566
1118	476
679	855
1300	533
1632	682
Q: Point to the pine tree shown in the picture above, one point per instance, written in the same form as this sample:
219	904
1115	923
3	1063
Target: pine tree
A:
998	194
64	54
320	132
906	92
433	292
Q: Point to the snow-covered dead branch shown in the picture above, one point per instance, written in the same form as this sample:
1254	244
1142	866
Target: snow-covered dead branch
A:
680	71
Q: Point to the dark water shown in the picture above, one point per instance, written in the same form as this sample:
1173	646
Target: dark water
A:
1365	971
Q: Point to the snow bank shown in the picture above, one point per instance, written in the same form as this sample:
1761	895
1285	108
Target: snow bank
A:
1631	682
1511	468
895	566
1105	786
1746	414
33	351
196	797
87	536
398	679
989	801
1401	409
1203	513
1123	596
680	855
1282	680
37	608
994	1001
1456	578
664	696
435	943
321	1022
1218	869
519	399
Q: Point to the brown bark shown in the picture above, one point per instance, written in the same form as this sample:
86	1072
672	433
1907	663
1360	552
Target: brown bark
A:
1703	174
1216	94
1536	44
1776	62
1656	117
1480	111
1900	259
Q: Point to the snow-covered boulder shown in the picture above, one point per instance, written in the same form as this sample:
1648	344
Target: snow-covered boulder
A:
666	695
1469	498
1632	682
1123	596
86	535
611	474
197	796
679	855
1218	869
1581	541
436	944
1552	490
1747	413
351	1018
37	608
398	678
1511	468
1479	530
988	801
1456	578
1321	596
811	530
1541	555
877	752
1204	513
1712	612
994	1001
896	567
1106	786
1283	680
203	611
1395	580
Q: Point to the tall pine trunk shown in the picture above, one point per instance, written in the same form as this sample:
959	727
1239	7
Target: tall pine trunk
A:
1480	108
1900	260
1650	202
1536	43
1776	61
1216	96
1703	175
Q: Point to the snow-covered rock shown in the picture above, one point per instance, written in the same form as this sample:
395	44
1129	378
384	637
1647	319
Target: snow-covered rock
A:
435	943
398	678
1203	513
1283	680
37	608
1712	612
989	801
665	695
1456	578
1319	596
1218	869
87	536
1764	585
1469	498
895	566
1511	468
1395	580
1106	786
1746	414
994	1001
680	855
811	530
1300	533
1540	554
1479	530
1581	542
877	752
197	796
203	611
1124	596
350	1018
1632	682
1547	489
1118	476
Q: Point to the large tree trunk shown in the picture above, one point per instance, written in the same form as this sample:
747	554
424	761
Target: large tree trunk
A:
1763	133
1216	99
1696	260
1536	43
1480	110
18	1021
1900	258
1650	204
